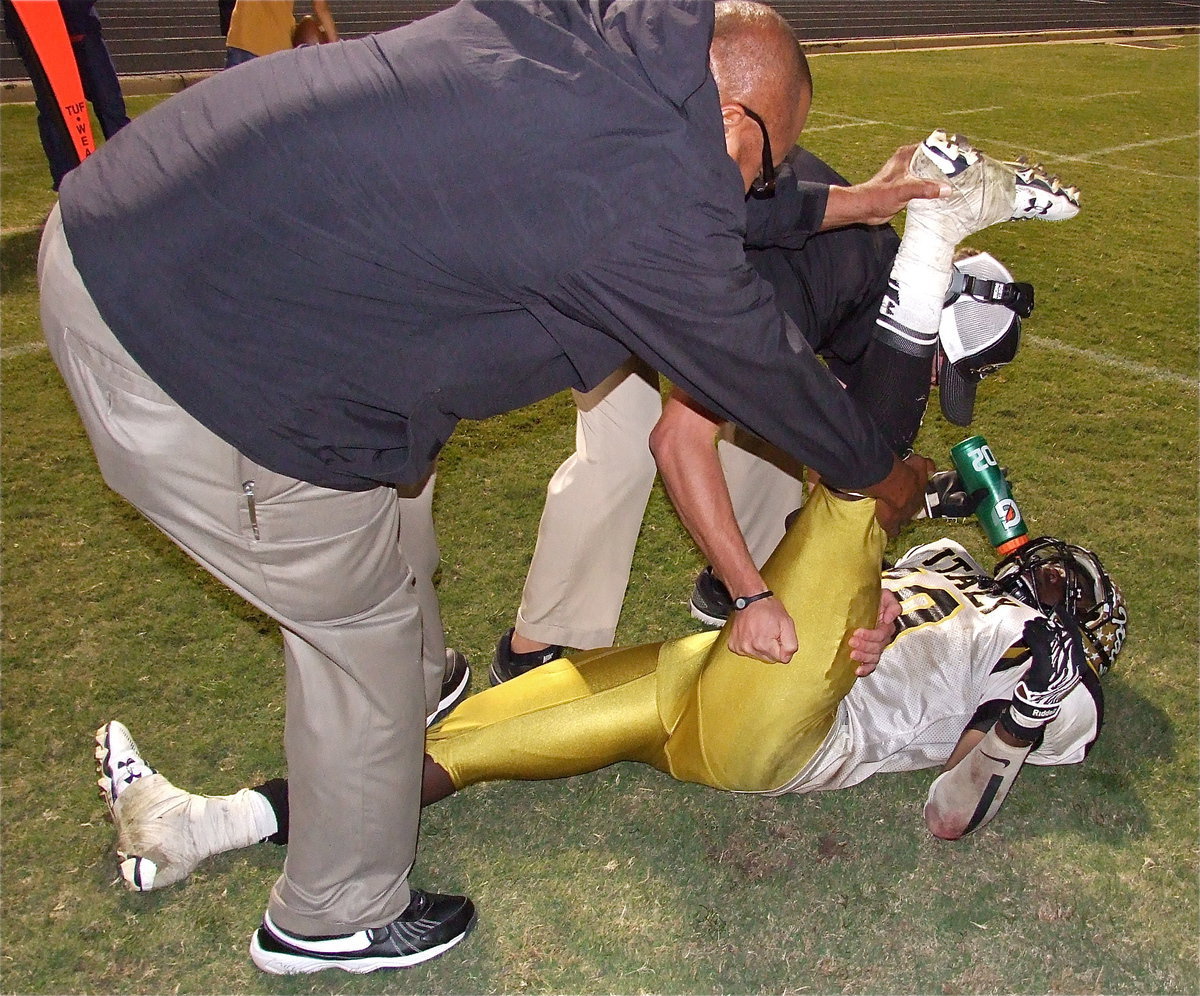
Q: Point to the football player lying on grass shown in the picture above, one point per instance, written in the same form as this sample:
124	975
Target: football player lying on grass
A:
983	675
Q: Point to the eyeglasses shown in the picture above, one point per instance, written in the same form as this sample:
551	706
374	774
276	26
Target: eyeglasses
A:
764	184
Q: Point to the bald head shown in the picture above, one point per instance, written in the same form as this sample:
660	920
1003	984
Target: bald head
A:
756	61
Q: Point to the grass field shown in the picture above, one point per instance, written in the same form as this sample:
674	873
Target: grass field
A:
624	881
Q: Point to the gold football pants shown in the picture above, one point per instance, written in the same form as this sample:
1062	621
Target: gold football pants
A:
691	707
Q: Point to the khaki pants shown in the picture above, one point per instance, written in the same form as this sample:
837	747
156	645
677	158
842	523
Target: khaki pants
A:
327	565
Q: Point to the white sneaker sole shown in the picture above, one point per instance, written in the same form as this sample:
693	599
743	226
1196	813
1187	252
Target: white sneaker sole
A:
282	963
700	615
450	701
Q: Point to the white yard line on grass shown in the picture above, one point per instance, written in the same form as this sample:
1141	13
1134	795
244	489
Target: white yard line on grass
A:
975	110
1089	158
1111	93
1143	370
1086	156
853	122
846	124
844	121
1004	39
21	349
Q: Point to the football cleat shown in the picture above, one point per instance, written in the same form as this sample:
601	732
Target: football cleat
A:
118	760
1046	572
985	191
124	775
949	155
163	832
1040	195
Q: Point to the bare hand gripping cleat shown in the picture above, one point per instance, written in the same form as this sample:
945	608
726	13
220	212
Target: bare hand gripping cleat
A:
986	191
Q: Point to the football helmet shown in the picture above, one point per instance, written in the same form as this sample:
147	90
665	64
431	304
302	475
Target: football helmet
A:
1046	572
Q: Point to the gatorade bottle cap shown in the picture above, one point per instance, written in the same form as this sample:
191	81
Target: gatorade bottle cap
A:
1004	549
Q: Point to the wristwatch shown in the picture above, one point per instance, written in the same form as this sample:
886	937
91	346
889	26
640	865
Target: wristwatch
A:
743	600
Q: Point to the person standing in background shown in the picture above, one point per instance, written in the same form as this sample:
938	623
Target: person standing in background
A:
260	27
97	73
225	13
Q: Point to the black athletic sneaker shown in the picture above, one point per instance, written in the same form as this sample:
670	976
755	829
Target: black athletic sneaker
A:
431	924
506	664
711	602
456	686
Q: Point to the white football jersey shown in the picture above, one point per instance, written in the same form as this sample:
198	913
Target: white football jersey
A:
959	654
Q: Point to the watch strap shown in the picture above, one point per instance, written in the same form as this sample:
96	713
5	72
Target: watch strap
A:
743	600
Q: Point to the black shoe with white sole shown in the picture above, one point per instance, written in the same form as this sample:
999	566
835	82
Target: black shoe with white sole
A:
507	665
456	686
431	925
711	602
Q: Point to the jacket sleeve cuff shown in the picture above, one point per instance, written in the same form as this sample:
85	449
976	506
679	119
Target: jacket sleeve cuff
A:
788	219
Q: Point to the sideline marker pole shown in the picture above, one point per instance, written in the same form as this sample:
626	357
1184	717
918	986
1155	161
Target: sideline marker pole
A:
44	24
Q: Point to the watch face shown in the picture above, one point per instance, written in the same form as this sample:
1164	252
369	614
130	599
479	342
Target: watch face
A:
743	600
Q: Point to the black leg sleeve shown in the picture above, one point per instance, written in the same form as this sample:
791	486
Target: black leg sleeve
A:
893	388
276	793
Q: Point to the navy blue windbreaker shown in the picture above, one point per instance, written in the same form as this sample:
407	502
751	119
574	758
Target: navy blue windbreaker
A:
329	256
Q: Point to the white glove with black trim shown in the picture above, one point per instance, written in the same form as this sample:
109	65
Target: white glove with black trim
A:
1056	647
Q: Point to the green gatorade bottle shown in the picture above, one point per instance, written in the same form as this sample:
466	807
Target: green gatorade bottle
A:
997	513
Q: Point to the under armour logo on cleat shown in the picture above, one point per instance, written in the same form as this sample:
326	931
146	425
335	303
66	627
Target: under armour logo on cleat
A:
130	775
